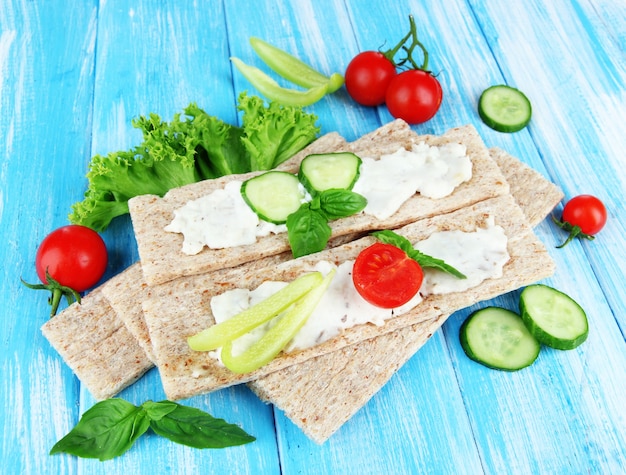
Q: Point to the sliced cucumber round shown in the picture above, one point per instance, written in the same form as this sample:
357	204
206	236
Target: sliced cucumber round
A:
497	338
553	317
324	171
273	196
504	108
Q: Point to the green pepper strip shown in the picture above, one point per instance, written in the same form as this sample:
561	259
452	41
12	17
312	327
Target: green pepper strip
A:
269	345
292	68
273	91
218	335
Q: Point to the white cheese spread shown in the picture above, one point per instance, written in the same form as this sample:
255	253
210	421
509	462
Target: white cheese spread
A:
223	219
218	220
480	255
432	171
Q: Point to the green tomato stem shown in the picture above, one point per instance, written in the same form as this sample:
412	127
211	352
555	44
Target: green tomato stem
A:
57	292
574	232
415	43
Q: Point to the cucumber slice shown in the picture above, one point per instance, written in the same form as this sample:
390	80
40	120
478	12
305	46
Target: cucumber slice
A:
504	108
497	338
273	195
324	171
553	317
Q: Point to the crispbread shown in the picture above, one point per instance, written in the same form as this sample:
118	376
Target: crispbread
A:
104	377
186	373
97	346
533	193
321	394
161	252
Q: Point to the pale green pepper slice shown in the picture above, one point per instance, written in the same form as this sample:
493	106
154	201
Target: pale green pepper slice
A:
273	91
292	68
274	341
218	335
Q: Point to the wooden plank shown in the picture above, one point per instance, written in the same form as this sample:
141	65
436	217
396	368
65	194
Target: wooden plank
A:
46	79
156	58
562	387
381	437
71	79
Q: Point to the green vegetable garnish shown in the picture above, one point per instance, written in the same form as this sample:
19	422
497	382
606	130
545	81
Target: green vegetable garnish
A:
217	335
424	260
308	230
269	345
292	68
192	147
111	427
272	90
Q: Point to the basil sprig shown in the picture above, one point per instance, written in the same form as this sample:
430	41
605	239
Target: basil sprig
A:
389	237
307	228
111	427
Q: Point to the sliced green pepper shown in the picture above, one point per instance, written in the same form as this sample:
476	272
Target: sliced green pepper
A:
292	68
273	91
269	345
221	333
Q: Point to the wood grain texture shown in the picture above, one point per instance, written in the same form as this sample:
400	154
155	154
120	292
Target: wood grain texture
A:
74	74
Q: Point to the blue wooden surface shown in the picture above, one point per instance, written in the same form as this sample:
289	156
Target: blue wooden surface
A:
74	74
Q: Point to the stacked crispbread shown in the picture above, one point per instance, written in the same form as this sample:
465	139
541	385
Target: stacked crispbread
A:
143	316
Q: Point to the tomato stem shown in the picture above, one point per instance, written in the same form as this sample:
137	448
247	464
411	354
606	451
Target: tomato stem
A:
415	43
574	232
57	292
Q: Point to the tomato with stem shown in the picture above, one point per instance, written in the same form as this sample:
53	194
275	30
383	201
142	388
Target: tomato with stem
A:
70	260
385	276
583	216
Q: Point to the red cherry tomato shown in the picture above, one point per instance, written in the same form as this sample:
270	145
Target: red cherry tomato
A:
367	77
583	216
414	96
386	276
586	212
75	256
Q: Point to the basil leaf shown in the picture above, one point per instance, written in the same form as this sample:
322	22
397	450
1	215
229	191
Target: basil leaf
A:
308	231
104	431
195	428
338	203
158	410
424	260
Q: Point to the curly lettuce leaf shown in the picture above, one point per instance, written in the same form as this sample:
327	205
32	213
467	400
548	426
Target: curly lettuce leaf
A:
275	133
193	146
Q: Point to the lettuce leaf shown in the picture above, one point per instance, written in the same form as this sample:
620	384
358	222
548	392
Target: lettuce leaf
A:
193	146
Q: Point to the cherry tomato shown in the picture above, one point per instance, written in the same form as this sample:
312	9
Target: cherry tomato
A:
587	212
414	96
75	256
367	77
71	259
583	216
385	276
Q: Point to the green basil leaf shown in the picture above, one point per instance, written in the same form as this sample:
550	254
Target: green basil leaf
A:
195	428
338	203
158	410
308	231
424	260
104	431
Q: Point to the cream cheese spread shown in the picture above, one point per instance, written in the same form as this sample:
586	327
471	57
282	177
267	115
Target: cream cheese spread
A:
432	171
480	255
223	219
218	220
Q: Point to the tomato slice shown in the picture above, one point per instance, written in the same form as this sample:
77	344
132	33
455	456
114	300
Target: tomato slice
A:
385	276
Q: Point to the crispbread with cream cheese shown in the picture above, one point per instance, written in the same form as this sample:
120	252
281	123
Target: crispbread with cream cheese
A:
186	373
161	252
321	394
